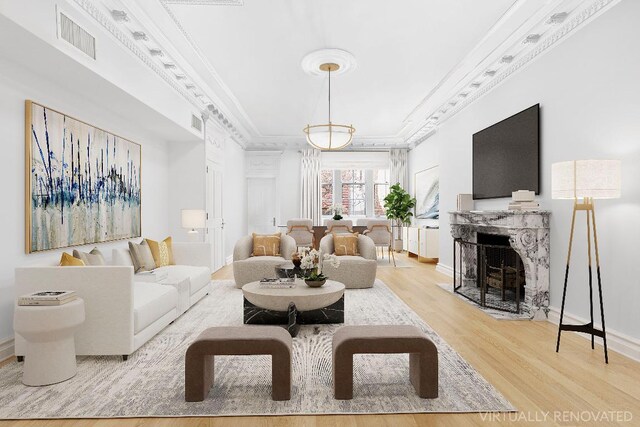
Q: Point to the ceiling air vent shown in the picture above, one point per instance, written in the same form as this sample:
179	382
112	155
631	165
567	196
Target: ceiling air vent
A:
196	123
77	36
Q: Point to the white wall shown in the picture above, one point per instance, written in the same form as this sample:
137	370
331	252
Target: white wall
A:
588	88
289	191
234	203
186	187
18	84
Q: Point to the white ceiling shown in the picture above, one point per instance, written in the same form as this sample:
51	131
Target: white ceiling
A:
419	62
403	50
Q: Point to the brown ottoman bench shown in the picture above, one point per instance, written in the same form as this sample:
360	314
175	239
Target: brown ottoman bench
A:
237	341
423	355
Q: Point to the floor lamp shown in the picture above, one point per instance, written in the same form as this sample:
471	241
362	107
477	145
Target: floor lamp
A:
583	181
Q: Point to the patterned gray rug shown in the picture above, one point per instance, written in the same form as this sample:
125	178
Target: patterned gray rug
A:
150	383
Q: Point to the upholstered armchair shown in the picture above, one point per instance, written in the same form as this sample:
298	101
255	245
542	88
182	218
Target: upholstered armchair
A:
379	230
355	271
339	226
302	232
248	268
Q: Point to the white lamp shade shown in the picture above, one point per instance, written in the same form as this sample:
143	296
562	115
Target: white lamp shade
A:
599	179
194	218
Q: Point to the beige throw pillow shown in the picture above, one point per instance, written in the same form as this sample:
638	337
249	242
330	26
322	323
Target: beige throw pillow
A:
345	244
90	258
266	244
141	257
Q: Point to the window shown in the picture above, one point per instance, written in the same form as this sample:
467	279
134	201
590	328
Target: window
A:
326	188
380	190
353	192
360	192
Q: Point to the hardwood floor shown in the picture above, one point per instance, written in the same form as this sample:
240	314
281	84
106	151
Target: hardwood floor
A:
517	357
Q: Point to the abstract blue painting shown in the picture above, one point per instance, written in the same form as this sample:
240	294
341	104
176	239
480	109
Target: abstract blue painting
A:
83	183
427	190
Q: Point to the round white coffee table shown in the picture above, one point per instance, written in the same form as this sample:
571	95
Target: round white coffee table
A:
294	306
50	350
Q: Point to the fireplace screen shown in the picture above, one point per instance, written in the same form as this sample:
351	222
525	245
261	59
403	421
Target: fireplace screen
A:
489	272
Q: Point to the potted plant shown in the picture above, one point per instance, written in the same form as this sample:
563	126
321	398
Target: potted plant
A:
311	262
336	210
399	205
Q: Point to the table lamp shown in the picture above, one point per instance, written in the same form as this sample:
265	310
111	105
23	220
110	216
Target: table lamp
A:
586	180
193	219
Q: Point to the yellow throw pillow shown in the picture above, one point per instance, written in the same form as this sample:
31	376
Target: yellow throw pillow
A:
68	260
345	244
162	252
266	244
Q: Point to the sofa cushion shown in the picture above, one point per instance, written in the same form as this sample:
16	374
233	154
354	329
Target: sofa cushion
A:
67	260
94	257
151	301
141	257
162	251
199	277
266	244
345	244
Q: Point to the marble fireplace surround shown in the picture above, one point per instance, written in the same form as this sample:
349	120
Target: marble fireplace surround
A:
528	233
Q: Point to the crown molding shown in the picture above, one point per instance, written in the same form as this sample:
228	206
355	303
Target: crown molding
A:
138	41
540	38
293	143
205	61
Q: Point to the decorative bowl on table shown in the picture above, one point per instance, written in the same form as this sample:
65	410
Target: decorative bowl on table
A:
315	283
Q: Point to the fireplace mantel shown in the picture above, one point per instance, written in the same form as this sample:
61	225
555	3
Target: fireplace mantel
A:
528	233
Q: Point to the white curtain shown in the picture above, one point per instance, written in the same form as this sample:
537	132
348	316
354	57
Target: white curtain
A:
398	168
310	184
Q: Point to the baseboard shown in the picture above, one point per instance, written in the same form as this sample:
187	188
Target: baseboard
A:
444	269
616	341
6	349
229	260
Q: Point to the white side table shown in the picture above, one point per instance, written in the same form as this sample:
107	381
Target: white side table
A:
50	351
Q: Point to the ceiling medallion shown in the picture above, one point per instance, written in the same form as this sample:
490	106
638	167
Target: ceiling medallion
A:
329	136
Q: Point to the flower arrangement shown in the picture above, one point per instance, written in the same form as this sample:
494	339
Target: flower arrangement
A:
312	262
336	210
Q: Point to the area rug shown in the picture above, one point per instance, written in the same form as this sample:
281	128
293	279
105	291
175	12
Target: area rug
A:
151	382
496	314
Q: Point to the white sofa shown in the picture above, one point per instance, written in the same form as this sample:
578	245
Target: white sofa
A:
122	312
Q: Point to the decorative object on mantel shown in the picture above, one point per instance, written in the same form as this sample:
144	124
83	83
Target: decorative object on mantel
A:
465	202
523	200
398	205
586	180
82	182
193	219
329	136
528	234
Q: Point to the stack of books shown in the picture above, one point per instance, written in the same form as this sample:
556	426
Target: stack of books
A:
47	298
281	283
523	200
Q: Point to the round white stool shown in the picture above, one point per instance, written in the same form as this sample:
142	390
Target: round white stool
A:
50	350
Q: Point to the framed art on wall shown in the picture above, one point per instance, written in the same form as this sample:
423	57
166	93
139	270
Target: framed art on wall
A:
82	182
427	193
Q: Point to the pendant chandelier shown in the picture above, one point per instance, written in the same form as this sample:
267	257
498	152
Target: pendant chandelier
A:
329	136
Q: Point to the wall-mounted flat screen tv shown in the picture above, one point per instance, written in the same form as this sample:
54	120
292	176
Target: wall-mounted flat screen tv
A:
506	156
